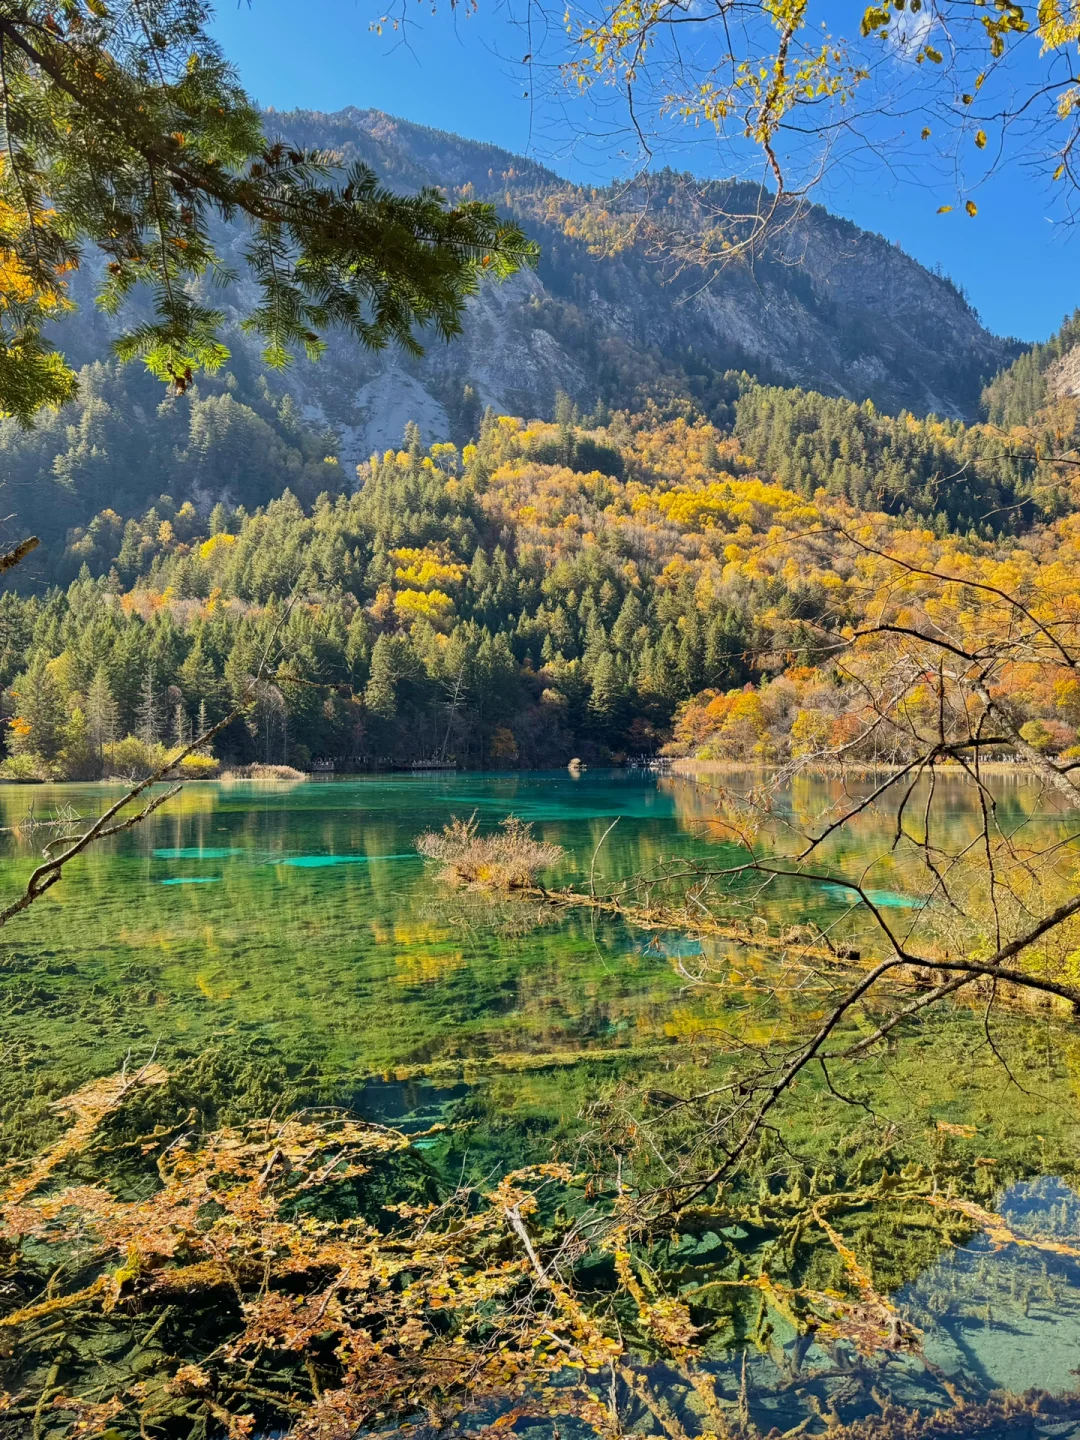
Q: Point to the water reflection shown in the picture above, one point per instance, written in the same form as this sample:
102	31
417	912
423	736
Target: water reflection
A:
303	915
1000	1337
1009	1318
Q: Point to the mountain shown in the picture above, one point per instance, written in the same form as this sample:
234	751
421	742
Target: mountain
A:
1046	374
619	310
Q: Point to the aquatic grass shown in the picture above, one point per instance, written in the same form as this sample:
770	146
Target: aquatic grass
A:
508	859
263	772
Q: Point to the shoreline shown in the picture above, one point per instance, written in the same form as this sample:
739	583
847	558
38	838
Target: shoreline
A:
693	769
688	769
285	774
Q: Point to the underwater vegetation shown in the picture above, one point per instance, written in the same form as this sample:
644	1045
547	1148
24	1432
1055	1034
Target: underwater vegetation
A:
316	1276
353	1152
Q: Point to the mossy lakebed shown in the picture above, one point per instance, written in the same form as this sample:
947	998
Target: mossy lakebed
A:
315	959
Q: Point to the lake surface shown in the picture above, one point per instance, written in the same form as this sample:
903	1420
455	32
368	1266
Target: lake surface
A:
286	942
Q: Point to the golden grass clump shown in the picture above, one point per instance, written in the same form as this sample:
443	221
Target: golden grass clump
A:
508	859
264	772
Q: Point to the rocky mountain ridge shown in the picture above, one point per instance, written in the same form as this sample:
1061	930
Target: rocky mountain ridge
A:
615	314
1063	378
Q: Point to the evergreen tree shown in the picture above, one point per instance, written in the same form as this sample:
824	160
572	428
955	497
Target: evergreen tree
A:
390	665
627	624
37	727
78	757
607	697
198	678
691	652
358	649
149	710
564	419
129	132
102	716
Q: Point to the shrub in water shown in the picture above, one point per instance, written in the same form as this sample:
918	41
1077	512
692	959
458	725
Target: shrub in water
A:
508	859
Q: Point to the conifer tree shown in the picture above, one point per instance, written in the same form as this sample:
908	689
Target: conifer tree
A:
564	419
608	696
125	129
37	726
101	711
78	759
627	624
149	713
386	672
198	679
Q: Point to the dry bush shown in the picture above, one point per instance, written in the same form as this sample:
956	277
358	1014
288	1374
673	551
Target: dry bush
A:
509	859
264	772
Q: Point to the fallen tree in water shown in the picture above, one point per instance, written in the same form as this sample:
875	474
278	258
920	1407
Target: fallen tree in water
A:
305	1277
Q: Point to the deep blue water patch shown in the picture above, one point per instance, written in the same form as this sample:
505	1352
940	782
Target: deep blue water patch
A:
317	862
883	899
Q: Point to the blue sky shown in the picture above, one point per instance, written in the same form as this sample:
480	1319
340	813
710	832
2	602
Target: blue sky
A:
462	73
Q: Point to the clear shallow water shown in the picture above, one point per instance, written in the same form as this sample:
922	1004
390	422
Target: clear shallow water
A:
297	924
1010	1318
303	913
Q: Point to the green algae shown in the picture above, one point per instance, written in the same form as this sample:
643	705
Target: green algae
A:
306	973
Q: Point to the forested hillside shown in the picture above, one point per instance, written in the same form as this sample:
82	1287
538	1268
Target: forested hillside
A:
126	447
551	589
124	441
515	591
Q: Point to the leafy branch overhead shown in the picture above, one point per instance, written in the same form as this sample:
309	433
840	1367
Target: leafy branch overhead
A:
125	129
800	87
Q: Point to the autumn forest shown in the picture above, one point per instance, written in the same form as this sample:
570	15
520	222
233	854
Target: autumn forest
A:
600	586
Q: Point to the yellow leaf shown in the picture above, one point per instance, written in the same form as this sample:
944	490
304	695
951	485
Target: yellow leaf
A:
944	209
980	139
926	132
971	207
